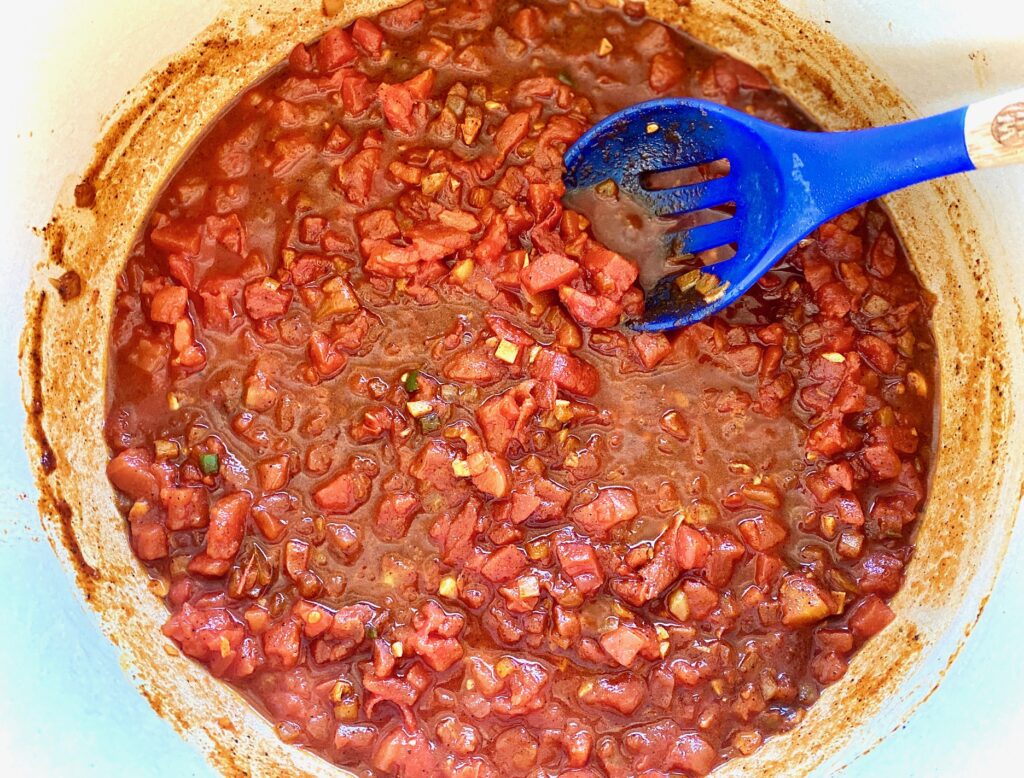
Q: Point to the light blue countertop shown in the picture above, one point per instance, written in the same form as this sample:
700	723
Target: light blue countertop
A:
68	711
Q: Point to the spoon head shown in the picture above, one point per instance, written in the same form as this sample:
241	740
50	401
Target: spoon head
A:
690	158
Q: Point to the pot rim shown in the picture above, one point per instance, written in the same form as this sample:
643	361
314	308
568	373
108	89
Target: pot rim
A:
975	370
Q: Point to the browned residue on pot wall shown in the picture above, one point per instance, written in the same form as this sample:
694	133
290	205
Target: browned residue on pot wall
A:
63	364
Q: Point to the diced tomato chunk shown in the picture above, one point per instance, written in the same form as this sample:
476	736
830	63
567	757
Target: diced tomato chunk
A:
668	70
726	551
529	23
882	460
356	175
870	616
832	437
491	473
828	666
219	294
834	299
398	104
228	231
410	754
691	547
355	738
308	268
878	353
850	510
623	644
433	636
882	257
130	471
378	225
368	37
589	309
880	573
504	417
700	598
804	601
612	273
511	131
762	532
206	565
652	348
169	304
214	636
337	140
300	60
227	525
327	359
282	643
403	103
182	269
620	693
613	505
454	533
188	507
348	490
433	464
567	371
334	50
390	260
504	564
266	299
149	541
579	562
477	366
693	754
548	271
357	95
838	244
404	17
505	330
178	237
746	359
394	514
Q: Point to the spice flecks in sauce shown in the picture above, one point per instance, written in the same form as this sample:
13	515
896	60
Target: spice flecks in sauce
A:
562	546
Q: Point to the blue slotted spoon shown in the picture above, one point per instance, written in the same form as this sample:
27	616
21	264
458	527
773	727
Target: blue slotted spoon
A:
784	183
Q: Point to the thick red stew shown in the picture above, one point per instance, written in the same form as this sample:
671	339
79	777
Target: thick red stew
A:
404	480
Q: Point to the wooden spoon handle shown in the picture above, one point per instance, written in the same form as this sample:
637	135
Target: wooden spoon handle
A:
994	130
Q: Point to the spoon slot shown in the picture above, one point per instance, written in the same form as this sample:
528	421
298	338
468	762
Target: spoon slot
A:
699	218
693	172
693	197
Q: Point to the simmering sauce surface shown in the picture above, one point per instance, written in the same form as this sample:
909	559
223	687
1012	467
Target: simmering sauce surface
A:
403	479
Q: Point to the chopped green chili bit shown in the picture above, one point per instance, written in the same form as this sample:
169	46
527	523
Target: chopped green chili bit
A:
566	79
430	422
371	632
411	380
209	463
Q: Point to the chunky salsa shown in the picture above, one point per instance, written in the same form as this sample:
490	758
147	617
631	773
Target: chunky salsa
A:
405	482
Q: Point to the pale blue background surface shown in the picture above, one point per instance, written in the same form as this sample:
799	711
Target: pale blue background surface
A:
66	708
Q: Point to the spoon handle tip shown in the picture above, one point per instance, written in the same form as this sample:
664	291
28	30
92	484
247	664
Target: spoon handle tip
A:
994	130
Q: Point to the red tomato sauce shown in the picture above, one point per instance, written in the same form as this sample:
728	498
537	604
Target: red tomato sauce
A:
409	486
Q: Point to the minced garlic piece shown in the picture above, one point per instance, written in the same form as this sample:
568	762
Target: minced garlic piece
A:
447	587
507	352
418	408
